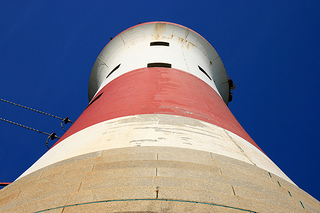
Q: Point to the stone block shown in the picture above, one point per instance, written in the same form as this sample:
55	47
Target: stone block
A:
129	157
122	172
9	198
194	184
126	192
206	174
105	183
276	199
192	157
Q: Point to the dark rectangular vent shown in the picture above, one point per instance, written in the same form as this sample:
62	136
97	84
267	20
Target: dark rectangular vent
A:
159	65
202	70
114	69
159	43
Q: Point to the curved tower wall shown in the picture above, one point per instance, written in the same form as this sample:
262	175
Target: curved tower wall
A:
156	136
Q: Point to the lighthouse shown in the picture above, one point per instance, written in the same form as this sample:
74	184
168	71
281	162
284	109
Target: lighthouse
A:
156	136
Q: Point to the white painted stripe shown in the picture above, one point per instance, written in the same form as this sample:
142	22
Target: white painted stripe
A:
157	130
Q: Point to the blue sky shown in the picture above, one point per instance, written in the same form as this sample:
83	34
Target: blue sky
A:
271	50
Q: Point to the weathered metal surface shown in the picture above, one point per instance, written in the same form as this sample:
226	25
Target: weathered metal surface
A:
186	52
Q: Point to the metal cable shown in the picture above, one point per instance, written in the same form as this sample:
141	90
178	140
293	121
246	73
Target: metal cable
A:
17	124
52	136
38	111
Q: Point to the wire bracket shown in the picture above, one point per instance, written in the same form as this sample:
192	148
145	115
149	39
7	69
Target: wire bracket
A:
52	137
65	121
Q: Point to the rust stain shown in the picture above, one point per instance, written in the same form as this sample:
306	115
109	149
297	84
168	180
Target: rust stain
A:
190	43
159	29
180	39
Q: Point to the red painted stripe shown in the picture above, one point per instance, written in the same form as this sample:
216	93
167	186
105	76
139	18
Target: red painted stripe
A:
158	91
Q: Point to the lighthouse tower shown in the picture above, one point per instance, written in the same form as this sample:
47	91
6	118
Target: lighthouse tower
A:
156	136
